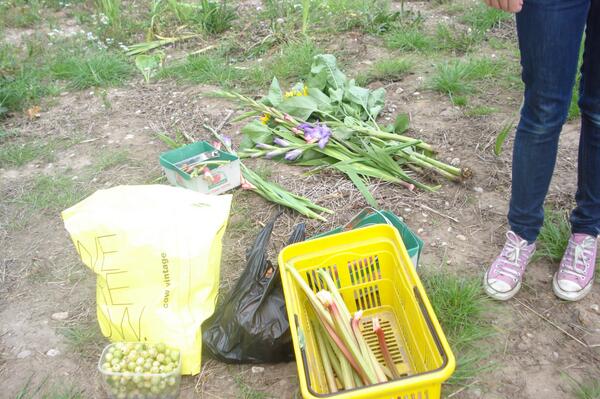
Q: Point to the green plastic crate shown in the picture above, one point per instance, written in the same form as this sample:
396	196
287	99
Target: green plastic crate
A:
371	216
228	175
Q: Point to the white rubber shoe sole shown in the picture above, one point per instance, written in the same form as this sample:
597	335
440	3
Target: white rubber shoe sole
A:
571	295
500	296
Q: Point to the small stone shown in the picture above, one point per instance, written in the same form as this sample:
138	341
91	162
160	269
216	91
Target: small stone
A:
522	346
478	189
23	354
595	308
555	355
257	369
455	161
529	335
448	262
433	244
450	229
420	231
416	93
53	352
60	316
399	90
461	237
477	393
129	137
444	243
407	209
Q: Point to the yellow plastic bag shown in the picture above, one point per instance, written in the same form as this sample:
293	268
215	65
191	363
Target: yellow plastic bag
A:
157	252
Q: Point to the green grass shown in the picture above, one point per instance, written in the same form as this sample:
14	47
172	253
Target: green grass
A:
450	38
84	339
54	392
109	160
389	69
554	236
214	17
373	17
481	110
482	18
247	392
461	306
204	68
20	13
457	78
52	193
294	60
95	70
410	38
23	77
13	154
587	390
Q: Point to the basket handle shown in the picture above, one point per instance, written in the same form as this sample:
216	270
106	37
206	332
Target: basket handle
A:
361	215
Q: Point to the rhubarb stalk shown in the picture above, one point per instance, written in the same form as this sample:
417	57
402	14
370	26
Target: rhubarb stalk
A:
365	350
327	368
384	349
345	330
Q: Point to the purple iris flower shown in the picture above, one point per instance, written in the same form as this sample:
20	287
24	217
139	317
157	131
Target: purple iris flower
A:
294	154
319	133
226	141
281	142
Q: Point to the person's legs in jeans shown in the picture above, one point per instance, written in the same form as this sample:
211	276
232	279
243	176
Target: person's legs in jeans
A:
550	33
586	216
575	275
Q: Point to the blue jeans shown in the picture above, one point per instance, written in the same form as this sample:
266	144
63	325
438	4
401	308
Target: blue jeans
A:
550	34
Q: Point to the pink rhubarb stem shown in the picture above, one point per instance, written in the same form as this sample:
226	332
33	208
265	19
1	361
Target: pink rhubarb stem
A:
384	348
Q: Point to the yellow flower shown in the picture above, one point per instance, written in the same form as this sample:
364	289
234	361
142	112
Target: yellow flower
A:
305	91
265	118
289	94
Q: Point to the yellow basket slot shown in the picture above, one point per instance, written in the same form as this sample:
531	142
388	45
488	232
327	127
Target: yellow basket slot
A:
374	273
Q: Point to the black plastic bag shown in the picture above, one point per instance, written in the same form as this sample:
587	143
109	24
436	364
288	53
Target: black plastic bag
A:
250	325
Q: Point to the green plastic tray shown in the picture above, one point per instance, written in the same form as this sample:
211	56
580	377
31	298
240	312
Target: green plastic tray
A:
371	216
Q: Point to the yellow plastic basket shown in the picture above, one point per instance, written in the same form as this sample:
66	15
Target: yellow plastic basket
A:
374	273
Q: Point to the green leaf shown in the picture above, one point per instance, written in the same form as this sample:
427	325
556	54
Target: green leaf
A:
323	101
376	102
148	65
502	135
324	72
300	107
336	95
171	143
359	183
311	155
255	132
275	96
342	133
401	124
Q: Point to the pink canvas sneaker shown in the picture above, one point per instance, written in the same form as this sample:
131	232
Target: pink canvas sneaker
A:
503	279
575	275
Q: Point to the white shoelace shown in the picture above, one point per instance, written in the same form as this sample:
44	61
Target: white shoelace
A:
509	266
582	255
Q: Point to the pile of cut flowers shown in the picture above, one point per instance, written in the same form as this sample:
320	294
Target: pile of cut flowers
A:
328	121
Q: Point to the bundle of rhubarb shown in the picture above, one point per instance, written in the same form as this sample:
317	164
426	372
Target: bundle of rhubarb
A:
343	354
328	121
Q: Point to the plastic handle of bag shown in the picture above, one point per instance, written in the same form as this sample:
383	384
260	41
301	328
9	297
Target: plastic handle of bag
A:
361	215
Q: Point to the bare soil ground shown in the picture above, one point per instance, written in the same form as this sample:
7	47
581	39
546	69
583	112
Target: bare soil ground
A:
539	338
